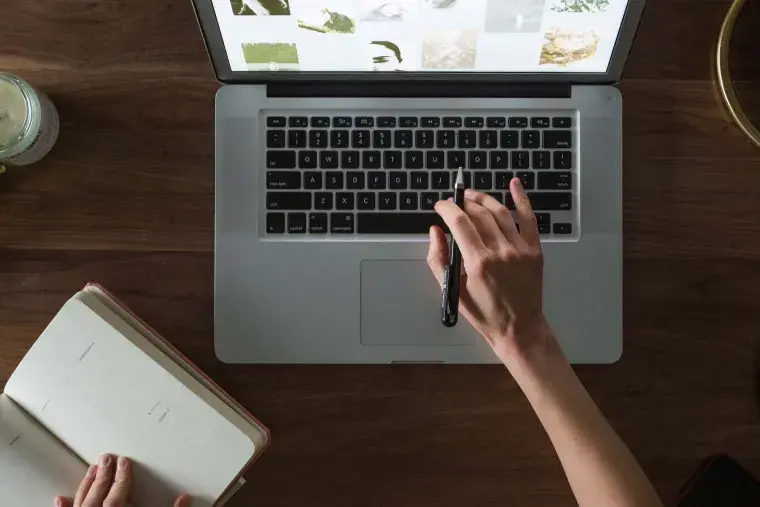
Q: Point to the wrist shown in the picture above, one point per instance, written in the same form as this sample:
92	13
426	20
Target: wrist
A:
530	343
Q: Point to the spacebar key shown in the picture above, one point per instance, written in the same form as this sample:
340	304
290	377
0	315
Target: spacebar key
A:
398	223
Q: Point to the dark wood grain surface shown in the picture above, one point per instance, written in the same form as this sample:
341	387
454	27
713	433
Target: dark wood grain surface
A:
126	199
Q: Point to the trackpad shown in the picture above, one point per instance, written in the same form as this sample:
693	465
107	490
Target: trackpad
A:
401	305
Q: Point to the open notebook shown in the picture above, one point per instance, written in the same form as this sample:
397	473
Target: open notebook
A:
99	380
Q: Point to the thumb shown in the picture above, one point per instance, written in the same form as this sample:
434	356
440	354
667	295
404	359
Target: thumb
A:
438	253
182	501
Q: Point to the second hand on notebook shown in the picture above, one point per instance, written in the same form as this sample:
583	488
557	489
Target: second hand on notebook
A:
452	273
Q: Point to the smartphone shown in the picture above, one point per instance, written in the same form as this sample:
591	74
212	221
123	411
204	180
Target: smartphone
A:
721	482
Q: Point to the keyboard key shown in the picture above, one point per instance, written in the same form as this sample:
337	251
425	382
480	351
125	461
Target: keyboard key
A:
318	223
276	222
281	159
344	200
424	139
320	122
413	160
297	223
296	139
543	218
328	160
408	122
488	139
562	139
334	180
456	159
365	201
452	122
562	122
554	181
342	223
509	201
339	138
408	201
445	196
387	201
289	200
312	180
275	138
392	160
478	160
496	122
398	181
342	121
440	180
541	160
563	228
483	181
283	180
276	121
544	229
386	122
349	160
551	201
403	139
503	179
563	160
499	160
428	200
371	160
520	160
467	138
446	139
509	139
376	180
527	179
381	139
364	121
307	159
298	121
355	181
419	181
434	160
397	223
323	200
518	122
360	139
431	122
318	139
531	139
499	196
474	122
539	123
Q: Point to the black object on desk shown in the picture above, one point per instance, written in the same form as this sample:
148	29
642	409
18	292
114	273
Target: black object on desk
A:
452	274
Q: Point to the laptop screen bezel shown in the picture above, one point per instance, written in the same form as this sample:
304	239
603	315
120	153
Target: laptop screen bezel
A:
209	25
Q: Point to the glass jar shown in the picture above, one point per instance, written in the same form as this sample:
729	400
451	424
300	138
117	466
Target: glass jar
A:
28	122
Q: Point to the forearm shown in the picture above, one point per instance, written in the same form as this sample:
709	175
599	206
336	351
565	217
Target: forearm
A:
600	468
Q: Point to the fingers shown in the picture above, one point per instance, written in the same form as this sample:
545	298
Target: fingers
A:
525	216
84	486
182	501
485	224
62	501
122	483
462	228
438	253
102	483
501	214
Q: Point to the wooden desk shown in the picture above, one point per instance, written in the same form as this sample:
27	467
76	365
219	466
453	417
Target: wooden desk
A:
127	199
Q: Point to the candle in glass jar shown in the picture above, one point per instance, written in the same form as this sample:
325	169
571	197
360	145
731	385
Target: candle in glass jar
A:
28	122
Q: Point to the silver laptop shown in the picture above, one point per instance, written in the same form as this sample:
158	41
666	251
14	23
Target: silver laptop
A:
340	124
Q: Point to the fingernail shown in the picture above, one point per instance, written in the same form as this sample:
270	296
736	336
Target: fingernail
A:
122	463
58	502
91	471
105	460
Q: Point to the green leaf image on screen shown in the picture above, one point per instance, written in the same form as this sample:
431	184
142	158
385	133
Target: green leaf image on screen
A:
274	56
391	47
336	23
261	7
581	5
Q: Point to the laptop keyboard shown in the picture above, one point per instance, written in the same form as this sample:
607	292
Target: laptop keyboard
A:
342	175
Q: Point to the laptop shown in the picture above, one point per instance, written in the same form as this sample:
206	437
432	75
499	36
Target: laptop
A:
339	125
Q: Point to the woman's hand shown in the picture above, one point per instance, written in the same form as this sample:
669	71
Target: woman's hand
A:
501	290
107	484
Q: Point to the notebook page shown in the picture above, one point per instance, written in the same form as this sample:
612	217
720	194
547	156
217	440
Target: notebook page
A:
99	392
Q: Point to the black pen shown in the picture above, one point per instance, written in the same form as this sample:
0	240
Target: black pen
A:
452	274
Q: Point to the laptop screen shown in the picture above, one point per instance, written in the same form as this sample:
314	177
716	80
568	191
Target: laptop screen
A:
495	36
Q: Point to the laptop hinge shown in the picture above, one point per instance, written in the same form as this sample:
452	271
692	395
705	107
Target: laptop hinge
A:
419	90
